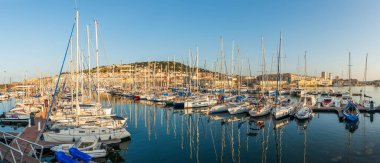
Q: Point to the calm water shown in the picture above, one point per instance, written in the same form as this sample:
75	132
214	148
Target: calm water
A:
187	135
162	134
4	107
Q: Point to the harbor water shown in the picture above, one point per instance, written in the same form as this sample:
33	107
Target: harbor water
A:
164	134
161	134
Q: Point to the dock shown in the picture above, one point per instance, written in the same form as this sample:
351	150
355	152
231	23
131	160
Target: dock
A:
339	110
23	147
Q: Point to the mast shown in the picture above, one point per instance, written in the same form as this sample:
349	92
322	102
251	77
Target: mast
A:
154	75
82	75
232	67
77	66
263	61
305	69
278	67
89	60
365	73
190	75
239	69
221	61
232	57
197	70
97	59
174	72
71	74
349	74
168	75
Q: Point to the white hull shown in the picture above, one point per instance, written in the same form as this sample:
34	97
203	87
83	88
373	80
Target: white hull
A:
197	104
219	108
239	109
303	113
257	113
98	153
281	112
74	134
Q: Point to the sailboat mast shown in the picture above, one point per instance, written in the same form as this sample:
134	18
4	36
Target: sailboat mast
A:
221	61
82	75
263	61
349	73
305	69
77	66
174	72
239	69
97	60
365	73
189	65
197	69
278	67
89	60
71	74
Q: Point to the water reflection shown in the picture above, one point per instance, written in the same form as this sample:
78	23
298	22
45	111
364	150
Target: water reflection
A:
188	135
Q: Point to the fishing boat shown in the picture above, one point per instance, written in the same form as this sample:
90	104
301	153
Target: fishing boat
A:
351	111
327	101
87	144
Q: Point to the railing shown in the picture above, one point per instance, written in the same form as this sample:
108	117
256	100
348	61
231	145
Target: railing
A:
15	149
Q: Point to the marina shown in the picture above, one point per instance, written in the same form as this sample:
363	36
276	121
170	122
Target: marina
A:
123	81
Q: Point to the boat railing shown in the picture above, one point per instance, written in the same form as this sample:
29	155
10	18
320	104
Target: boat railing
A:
16	149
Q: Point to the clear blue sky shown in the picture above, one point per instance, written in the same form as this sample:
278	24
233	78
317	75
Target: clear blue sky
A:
34	33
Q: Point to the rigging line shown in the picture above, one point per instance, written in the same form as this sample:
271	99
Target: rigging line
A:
57	84
104	48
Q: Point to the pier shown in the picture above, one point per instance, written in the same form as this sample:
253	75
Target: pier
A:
339	110
23	146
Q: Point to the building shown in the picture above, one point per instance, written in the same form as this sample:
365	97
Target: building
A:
323	75
289	79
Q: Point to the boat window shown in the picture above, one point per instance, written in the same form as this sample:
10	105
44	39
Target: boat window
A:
82	132
103	130
85	144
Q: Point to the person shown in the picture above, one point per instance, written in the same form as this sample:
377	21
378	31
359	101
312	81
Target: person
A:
371	105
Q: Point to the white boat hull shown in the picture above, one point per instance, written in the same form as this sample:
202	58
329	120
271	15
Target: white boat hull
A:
219	108
74	134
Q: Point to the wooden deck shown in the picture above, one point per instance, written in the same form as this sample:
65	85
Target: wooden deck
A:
30	134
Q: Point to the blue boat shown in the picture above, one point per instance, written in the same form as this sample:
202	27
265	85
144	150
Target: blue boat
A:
179	105
351	111
63	158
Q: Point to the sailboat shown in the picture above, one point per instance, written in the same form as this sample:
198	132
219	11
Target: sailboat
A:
261	109
264	105
283	107
351	111
66	133
366	102
307	101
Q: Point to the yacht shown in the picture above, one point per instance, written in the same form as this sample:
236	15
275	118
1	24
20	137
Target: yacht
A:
86	144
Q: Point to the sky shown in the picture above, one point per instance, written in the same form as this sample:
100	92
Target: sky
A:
34	34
